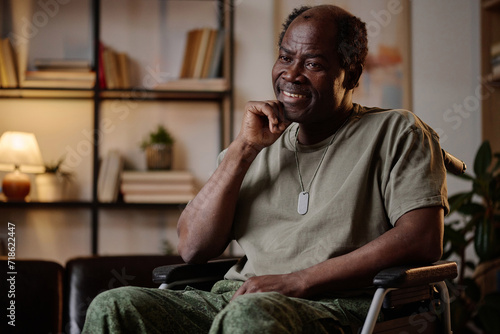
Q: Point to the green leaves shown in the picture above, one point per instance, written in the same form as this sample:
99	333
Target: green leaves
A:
482	160
479	207
160	136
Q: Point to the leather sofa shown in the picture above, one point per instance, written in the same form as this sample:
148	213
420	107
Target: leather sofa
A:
50	298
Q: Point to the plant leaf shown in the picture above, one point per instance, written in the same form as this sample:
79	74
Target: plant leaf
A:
457	200
483	159
497	166
456	238
471	209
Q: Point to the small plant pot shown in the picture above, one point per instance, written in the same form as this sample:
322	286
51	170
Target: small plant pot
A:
50	187
159	156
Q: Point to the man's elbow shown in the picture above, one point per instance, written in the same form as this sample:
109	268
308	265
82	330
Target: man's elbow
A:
434	253
190	254
430	249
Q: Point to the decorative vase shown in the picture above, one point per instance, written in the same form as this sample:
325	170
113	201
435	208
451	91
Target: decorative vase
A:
50	187
159	156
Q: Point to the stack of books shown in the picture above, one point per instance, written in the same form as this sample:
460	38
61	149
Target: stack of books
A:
60	73
203	53
495	61
172	186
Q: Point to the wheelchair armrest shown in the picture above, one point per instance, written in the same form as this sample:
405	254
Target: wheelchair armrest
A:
193	274
408	276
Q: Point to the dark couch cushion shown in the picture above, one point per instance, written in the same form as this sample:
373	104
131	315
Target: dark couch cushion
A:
34	295
88	276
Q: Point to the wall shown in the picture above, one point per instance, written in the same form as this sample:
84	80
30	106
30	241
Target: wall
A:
445	61
446	74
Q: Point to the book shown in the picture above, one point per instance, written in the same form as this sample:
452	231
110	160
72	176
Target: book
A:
77	84
58	79
110	183
55	64
101	178
115	67
216	59
201	52
110	68
158	198
9	64
20	33
60	75
4	82
209	54
124	70
189	52
100	69
173	176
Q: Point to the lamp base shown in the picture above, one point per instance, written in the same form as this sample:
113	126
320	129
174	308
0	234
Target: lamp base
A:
16	186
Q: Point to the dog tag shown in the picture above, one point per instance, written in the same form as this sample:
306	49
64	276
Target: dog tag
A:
303	202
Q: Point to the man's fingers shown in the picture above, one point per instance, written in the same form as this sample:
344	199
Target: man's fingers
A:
271	109
238	292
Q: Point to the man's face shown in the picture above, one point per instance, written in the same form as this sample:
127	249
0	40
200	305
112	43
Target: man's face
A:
307	77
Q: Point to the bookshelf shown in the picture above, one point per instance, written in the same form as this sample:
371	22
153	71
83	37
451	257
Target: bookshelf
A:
216	91
490	39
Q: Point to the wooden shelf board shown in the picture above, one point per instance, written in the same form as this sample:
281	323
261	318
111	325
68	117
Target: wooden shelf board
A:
113	94
159	206
46	93
162	95
46	205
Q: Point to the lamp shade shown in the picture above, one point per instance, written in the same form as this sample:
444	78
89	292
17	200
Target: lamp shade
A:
20	149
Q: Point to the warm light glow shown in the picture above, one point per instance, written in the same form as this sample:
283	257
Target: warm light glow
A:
20	149
19	152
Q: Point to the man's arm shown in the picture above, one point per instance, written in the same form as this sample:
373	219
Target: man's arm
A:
417	237
204	228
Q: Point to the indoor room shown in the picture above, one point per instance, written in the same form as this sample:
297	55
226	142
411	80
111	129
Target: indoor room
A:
123	107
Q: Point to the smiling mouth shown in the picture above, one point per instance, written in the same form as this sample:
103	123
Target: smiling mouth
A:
296	96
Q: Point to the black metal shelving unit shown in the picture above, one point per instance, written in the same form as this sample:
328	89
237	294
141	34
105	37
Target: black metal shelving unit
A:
223	98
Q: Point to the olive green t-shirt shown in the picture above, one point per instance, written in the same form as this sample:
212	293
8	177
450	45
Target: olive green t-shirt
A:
381	164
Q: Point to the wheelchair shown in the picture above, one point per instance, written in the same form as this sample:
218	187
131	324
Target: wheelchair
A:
409	299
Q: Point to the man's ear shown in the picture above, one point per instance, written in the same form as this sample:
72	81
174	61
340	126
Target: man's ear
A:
352	76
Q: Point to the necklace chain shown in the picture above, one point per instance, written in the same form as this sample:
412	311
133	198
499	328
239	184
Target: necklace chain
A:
322	157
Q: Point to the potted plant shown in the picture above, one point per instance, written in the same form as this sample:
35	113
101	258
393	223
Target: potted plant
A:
52	184
158	148
478	223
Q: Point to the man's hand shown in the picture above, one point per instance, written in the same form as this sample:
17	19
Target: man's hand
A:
205	225
263	123
290	285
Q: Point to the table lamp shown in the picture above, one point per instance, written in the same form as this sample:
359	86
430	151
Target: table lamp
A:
19	154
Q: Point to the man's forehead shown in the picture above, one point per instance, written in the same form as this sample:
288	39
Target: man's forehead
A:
310	30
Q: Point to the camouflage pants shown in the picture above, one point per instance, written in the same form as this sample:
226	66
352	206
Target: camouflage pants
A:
143	310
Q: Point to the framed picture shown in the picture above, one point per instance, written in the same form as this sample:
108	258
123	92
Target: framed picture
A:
386	78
